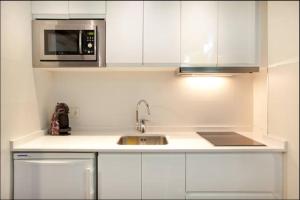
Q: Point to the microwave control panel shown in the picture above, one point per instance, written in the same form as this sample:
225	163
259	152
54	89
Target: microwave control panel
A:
88	42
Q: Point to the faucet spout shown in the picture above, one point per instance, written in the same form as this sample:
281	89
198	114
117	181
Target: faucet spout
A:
140	124
146	103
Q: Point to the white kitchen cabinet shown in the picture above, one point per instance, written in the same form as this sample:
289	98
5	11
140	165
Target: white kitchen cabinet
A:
87	9
199	29
162	32
119	176
124	28
237	33
141	175
233	175
163	175
50	9
68	9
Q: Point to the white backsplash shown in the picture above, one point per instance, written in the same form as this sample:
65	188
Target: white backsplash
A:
107	100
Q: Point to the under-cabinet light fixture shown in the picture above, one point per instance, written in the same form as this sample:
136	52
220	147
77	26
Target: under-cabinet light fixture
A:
214	71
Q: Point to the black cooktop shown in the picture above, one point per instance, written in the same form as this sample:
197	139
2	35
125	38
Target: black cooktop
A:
228	139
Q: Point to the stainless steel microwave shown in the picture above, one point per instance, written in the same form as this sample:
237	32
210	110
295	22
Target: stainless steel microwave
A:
68	43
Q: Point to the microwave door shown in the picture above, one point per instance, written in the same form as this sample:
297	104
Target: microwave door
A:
68	45
61	42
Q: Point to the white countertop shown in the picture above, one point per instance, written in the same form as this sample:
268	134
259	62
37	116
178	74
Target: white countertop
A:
101	142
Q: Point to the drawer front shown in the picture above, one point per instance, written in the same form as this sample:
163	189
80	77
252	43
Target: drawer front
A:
231	172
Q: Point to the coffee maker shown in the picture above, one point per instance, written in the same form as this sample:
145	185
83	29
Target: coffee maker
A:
60	120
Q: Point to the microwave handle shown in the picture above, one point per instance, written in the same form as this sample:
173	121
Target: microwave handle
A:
80	42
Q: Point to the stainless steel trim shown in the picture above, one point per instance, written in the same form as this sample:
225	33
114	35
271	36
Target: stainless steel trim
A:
40	60
80	42
57	155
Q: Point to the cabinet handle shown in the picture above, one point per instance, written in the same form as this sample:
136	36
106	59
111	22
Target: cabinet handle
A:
80	42
88	179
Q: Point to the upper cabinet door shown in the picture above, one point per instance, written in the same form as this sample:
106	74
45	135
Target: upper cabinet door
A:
124	28
162	32
199	23
237	33
87	8
57	9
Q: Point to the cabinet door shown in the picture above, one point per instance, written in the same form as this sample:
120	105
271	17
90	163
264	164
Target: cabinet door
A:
163	176
231	173
119	176
162	32
85	9
124	28
237	33
49	9
199	33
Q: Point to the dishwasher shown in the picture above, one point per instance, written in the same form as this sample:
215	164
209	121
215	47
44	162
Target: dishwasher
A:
54	176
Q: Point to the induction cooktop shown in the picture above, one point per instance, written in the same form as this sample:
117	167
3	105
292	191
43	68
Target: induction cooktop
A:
228	139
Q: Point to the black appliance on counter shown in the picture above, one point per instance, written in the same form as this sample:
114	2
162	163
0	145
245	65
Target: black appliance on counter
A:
60	120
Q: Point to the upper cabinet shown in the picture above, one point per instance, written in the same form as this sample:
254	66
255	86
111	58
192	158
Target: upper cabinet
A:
169	33
220	33
162	32
124	32
143	33
237	33
199	28
68	9
44	9
87	9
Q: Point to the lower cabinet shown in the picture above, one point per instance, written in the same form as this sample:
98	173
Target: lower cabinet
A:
211	175
141	176
163	176
203	175
119	175
234	175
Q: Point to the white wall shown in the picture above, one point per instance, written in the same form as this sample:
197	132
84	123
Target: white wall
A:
108	99
260	81
21	104
260	103
283	91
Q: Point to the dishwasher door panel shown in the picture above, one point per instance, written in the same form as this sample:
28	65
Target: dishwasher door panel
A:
54	179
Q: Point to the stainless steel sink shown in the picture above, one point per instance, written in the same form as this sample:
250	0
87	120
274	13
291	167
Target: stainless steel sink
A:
143	140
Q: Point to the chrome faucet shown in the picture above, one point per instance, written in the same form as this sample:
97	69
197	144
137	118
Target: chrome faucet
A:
141	124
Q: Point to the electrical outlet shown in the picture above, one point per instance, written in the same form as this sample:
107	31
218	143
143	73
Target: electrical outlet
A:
74	112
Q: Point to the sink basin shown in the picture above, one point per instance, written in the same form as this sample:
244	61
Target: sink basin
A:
143	140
